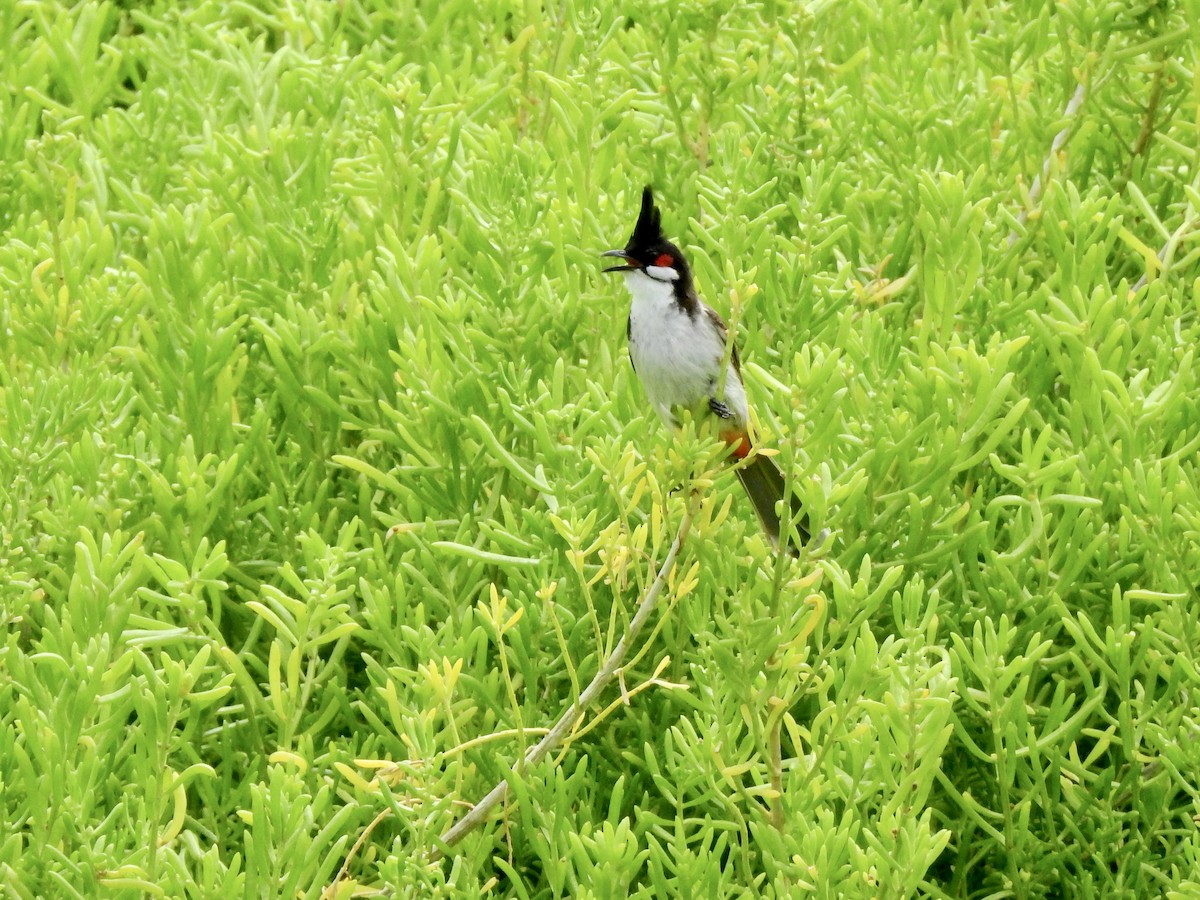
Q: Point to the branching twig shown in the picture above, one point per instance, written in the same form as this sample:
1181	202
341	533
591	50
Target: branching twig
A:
1139	147
569	718
1060	140
1148	117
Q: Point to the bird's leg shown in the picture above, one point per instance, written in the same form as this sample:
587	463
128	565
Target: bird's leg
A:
719	409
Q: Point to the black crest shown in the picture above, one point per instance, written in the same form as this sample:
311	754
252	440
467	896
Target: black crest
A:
648	230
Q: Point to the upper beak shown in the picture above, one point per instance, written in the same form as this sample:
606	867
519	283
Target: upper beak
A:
634	264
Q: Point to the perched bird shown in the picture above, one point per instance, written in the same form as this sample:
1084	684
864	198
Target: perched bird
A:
677	346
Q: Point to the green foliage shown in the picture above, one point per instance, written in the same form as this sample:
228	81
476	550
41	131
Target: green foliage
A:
325	485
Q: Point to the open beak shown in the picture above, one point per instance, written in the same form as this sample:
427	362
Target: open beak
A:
633	264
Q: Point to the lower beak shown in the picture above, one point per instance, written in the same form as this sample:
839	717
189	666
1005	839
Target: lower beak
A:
621	254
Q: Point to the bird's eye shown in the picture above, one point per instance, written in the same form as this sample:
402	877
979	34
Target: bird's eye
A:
664	260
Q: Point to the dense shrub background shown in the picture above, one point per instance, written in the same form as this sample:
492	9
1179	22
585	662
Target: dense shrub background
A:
325	484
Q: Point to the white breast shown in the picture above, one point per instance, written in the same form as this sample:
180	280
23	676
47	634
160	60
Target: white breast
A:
677	356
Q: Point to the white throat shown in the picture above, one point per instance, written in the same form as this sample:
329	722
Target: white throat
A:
649	293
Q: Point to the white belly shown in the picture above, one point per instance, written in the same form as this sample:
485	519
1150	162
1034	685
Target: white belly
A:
678	357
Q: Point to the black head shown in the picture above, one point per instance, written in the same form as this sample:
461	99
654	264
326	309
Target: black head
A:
648	249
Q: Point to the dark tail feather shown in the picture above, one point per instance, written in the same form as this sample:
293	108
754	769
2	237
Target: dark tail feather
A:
765	486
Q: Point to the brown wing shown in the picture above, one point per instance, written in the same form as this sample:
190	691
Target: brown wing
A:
715	318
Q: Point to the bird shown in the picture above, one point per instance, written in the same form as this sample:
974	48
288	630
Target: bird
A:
677	345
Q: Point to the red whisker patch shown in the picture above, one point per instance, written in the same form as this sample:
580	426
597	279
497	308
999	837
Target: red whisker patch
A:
665	260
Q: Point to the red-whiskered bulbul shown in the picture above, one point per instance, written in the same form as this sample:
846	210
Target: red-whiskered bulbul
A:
677	346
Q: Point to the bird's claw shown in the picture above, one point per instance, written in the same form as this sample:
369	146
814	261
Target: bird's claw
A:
720	409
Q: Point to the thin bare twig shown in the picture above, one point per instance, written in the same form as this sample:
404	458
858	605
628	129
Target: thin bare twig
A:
568	720
1148	117
1060	141
1167	253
